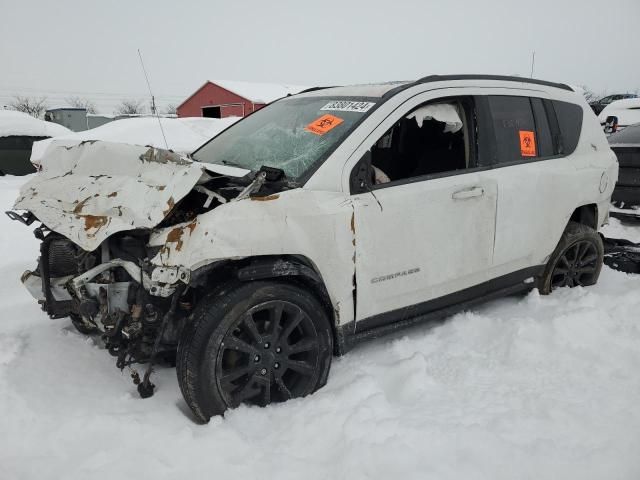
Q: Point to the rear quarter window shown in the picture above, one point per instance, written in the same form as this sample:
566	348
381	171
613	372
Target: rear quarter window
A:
569	117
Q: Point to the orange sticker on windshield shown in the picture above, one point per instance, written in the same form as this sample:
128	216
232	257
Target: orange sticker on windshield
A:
323	124
527	143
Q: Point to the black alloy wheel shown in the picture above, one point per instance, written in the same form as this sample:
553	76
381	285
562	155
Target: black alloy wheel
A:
257	343
268	355
576	261
577	266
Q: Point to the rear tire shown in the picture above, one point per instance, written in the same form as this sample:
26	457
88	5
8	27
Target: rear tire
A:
257	343
576	261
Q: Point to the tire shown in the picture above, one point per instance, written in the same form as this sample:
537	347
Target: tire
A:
84	327
576	261
258	343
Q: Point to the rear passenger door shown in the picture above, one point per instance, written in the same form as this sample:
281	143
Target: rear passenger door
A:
532	176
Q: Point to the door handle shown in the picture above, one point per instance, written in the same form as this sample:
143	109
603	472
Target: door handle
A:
468	193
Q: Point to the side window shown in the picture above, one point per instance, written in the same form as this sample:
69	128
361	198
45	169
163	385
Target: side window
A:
434	138
514	128
570	122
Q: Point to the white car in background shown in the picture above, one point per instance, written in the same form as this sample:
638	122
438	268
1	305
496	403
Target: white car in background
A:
322	220
620	114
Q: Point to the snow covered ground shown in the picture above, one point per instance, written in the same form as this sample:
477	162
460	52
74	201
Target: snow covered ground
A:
521	388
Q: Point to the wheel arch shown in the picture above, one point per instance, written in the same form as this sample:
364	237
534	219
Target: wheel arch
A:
296	269
586	215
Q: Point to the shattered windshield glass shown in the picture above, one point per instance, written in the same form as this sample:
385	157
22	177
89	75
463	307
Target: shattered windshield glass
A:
291	134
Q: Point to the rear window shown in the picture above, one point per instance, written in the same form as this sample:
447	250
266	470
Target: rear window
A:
570	122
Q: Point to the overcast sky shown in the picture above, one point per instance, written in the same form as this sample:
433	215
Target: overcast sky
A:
89	48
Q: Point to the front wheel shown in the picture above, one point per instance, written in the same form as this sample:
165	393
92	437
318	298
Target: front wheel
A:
576	261
259	343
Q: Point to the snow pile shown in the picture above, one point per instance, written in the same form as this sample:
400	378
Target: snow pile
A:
14	123
259	92
183	135
524	387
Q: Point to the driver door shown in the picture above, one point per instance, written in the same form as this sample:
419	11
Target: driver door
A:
423	237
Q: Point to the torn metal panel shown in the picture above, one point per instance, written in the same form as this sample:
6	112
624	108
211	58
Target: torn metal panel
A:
316	225
90	191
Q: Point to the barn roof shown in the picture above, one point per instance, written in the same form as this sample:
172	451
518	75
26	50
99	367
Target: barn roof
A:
259	92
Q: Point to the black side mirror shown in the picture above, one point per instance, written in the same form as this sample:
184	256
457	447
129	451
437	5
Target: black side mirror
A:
611	124
360	180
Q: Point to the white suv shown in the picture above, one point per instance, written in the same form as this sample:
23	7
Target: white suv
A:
324	219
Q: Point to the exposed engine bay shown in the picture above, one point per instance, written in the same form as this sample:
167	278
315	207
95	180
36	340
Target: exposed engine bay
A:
103	292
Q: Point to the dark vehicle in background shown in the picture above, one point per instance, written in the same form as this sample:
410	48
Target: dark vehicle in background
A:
600	104
626	145
15	153
18	132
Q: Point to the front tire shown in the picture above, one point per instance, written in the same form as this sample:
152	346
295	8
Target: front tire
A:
576	261
256	343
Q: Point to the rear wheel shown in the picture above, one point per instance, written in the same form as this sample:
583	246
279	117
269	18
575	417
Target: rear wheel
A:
260	343
576	261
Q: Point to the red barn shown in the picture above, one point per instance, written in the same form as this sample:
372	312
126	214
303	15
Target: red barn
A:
222	98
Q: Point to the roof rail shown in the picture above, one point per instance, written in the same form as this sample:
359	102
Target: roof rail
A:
505	78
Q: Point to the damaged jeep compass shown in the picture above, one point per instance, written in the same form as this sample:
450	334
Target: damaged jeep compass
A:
324	219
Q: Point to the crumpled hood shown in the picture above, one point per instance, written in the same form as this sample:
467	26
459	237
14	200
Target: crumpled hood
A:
92	190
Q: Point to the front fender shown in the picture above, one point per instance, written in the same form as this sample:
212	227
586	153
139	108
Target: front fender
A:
316	225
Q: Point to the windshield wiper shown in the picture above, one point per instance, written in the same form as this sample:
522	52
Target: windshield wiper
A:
232	164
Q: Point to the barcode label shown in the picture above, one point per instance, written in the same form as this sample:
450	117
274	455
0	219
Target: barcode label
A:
348	106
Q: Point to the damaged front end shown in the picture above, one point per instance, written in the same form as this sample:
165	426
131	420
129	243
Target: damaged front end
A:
99	204
111	291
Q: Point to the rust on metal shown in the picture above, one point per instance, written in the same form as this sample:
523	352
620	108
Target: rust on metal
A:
158	155
265	199
78	209
175	236
94	222
170	204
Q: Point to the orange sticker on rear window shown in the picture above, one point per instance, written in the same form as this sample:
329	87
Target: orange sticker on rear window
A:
527	143
323	124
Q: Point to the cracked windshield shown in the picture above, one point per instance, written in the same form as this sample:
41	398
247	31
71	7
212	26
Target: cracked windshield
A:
291	134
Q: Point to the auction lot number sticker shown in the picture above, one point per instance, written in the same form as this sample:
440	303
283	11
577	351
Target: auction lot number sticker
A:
348	106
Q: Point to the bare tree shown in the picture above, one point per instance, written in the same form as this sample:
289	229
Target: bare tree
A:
171	109
130	107
79	102
31	105
589	95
